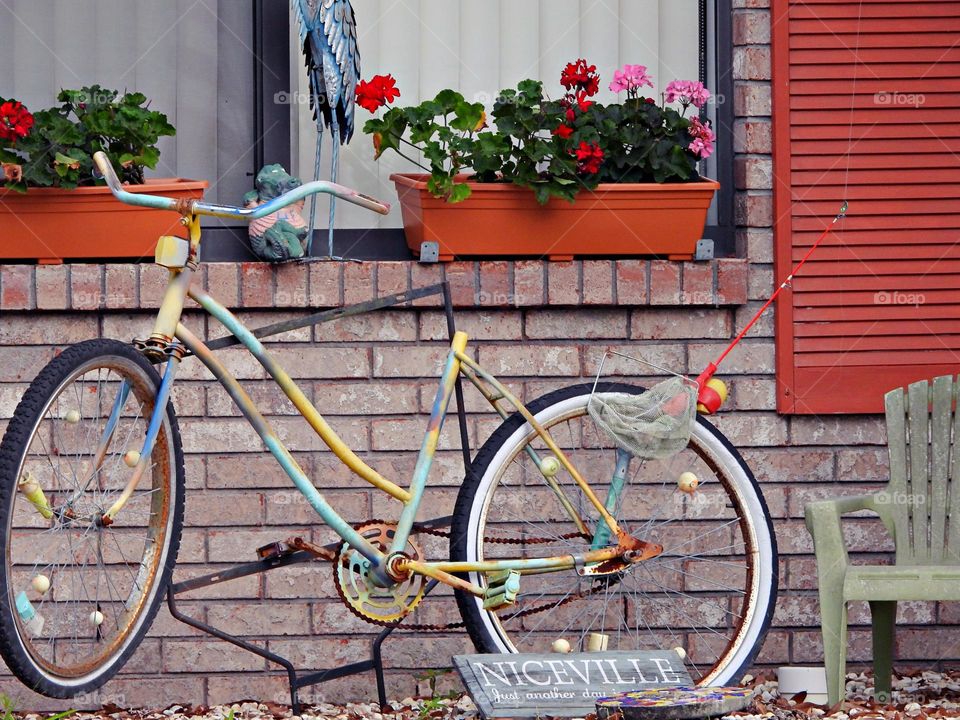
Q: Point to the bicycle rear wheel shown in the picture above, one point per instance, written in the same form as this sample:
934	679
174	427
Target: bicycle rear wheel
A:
79	596
712	590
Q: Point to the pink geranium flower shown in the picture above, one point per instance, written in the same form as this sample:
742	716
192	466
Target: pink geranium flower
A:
687	93
703	138
630	79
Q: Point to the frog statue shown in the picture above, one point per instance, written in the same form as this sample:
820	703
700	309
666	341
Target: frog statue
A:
281	235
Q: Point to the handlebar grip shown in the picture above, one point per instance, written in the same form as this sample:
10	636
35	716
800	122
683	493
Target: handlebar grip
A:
113	182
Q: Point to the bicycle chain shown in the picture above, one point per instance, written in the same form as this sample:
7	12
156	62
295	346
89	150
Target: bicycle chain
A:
440	627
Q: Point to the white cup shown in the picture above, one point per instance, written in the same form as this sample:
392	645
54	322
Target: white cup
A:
813	680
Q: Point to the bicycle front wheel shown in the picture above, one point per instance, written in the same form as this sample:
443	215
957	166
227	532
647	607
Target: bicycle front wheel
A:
79	595
712	590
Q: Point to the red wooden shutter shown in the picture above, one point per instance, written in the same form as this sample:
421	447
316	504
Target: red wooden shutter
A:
878	305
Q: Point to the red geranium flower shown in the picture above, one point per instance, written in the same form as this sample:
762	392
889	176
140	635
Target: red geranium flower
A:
581	76
589	158
563	132
582	101
381	90
15	121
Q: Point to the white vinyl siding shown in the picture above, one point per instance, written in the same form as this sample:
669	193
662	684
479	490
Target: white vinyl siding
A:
480	47
191	58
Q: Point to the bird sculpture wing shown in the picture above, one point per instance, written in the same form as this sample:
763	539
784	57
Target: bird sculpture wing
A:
328	36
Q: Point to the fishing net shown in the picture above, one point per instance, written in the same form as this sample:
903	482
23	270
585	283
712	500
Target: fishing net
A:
655	424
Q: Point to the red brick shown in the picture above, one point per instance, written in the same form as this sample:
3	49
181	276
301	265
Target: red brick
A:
753	136
758	245
16	287
153	284
753	172
751	63
598	282
380	326
863	464
273	618
666	324
845	430
530	360
410	361
754	394
632	282
462	277
222	282
392	278
754	209
664	282
752	99
366	398
588	324
217	508
324	362
422	276
123	287
698	284
256	282
751	3
760	282
53	283
359	284
563	283
325	283
641	361
529	283
732	282
291	289
496	290
479	325
751	28
22	328
86	290
205	656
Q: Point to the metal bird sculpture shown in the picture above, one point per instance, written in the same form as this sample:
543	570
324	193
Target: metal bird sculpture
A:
328	37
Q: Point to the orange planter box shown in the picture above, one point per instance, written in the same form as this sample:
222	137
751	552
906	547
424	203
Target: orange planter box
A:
506	220
51	225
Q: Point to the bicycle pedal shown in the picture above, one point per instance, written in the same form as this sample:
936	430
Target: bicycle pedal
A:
274	550
502	589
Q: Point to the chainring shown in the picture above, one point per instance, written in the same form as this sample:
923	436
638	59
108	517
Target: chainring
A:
365	599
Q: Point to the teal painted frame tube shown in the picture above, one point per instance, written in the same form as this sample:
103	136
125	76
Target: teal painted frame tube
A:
290	466
428	448
601	536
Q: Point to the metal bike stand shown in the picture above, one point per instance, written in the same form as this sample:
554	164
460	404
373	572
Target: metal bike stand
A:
295	679
375	662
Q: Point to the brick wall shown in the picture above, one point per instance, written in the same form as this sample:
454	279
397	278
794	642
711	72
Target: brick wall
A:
538	325
384	367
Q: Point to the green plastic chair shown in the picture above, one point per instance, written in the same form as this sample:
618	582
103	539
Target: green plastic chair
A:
915	508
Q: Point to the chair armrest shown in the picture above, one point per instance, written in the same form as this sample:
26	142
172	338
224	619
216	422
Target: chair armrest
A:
823	523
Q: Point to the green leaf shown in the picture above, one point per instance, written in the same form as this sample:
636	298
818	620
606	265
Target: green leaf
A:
458	193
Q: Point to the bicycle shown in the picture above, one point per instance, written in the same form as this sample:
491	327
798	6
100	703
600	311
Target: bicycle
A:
92	497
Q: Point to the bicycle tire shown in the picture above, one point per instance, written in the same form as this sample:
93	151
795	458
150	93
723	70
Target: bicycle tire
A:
52	411
497	500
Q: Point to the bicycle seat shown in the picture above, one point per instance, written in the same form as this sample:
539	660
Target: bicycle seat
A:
198	207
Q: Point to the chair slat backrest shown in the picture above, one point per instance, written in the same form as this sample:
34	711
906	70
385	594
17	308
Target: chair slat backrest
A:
921	427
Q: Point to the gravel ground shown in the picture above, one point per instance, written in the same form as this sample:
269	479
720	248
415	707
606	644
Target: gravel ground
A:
921	696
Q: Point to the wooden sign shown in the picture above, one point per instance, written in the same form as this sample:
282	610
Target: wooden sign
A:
565	685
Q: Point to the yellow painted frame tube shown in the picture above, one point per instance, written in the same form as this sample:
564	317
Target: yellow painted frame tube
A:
300	401
545	436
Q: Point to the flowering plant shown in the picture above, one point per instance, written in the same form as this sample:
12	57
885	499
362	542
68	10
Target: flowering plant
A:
555	147
55	147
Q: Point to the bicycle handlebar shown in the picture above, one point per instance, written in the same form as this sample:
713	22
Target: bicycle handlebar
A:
198	207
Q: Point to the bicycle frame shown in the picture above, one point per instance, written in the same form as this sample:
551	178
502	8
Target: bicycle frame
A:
385	565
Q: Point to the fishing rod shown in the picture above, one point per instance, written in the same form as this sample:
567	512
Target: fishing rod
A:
712	391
